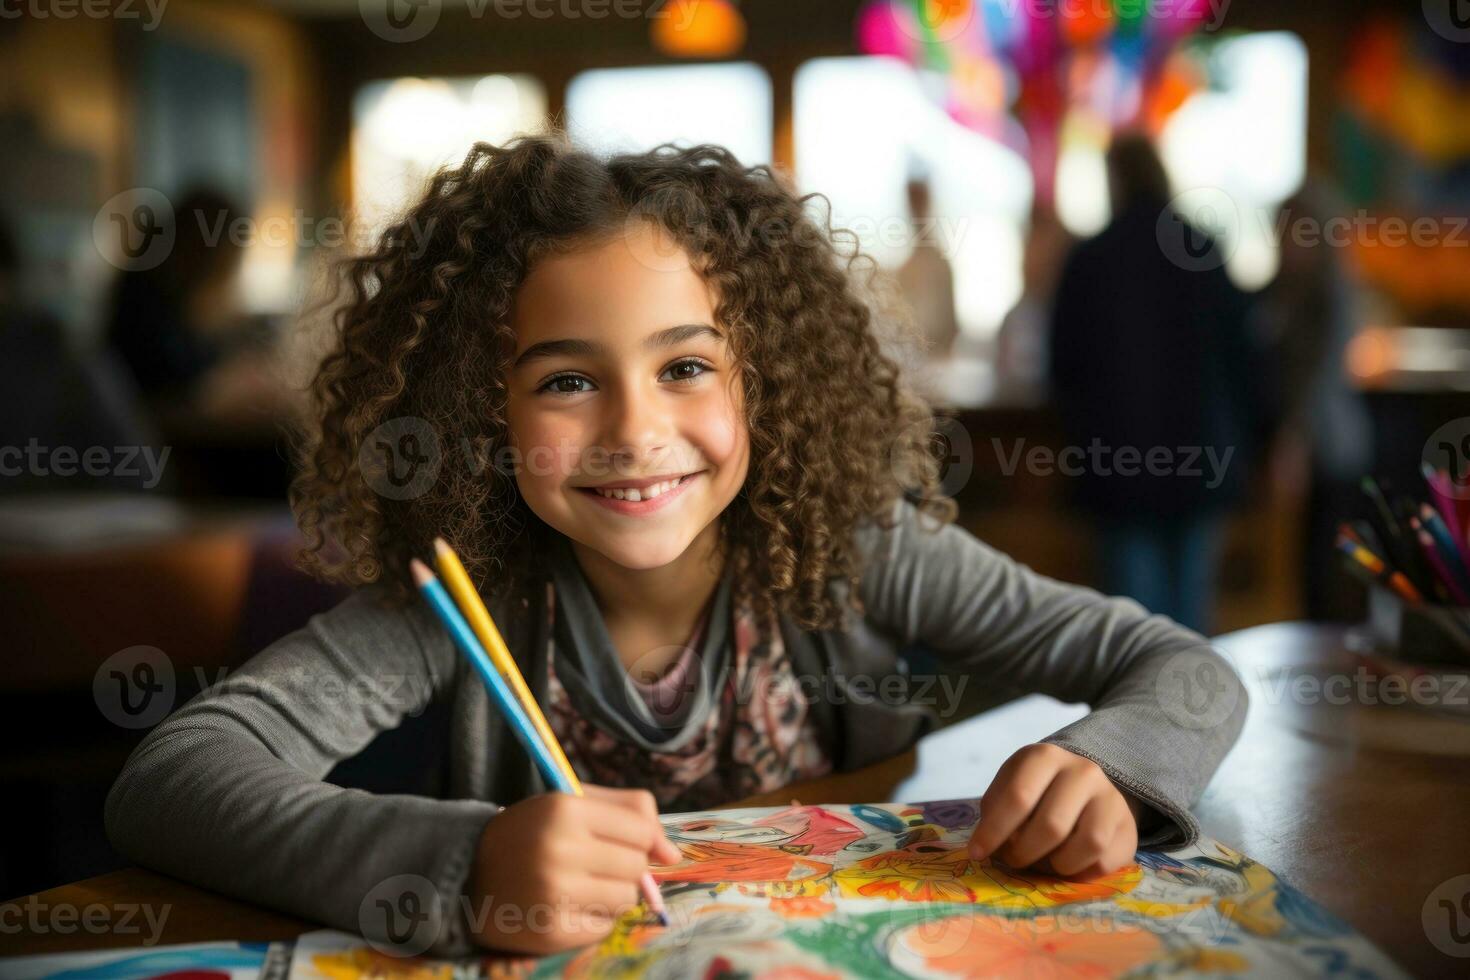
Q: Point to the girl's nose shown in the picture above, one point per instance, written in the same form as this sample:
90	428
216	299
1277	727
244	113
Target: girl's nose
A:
637	425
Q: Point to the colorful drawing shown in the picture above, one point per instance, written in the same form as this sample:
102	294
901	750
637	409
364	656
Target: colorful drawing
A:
887	891
331	955
192	961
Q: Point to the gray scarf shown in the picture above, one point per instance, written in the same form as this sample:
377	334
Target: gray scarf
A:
599	688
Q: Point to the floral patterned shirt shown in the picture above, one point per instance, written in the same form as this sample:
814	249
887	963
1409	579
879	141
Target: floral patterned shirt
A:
760	736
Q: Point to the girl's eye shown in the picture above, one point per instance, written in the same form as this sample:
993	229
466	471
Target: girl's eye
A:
565	384
558	380
689	362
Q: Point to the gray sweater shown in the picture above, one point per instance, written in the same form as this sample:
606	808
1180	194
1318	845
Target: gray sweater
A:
227	792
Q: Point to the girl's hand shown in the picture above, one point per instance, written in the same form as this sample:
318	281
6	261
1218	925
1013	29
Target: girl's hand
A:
1055	811
556	870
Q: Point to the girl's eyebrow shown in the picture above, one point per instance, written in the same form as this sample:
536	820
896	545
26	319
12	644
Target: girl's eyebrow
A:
578	347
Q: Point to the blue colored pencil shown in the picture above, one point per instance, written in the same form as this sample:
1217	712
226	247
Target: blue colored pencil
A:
469	644
500	692
1437	562
1440	532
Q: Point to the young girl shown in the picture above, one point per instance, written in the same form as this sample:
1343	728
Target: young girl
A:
644	399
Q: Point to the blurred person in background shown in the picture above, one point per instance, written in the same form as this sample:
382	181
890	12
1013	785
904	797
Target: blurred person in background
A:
206	372
1021	342
179	328
1324	446
1151	358
55	404
927	279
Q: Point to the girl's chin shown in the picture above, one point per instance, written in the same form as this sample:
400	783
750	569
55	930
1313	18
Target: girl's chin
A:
640	554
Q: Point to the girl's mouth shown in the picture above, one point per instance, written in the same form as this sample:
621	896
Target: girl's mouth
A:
645	504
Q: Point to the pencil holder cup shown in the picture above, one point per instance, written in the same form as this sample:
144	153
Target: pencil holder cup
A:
1422	634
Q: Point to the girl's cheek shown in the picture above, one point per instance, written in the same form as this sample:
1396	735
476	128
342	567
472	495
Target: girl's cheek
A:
722	431
720	440
548	449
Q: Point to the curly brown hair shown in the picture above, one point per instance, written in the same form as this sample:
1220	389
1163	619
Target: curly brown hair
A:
836	434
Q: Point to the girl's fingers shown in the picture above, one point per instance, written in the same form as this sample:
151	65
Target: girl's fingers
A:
1009	800
664	850
615	862
1097	837
602	896
1122	851
639	802
621	825
1051	823
1099	868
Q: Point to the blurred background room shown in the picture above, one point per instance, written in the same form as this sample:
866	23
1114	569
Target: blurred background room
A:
1292	177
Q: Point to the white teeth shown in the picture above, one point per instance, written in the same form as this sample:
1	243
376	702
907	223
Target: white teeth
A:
647	493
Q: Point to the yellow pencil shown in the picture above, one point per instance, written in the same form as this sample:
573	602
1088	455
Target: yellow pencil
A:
473	609
452	570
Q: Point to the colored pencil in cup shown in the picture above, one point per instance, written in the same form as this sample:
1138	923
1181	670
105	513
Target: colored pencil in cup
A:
1444	502
1367	536
1394	579
1435	526
506	685
1419	570
1436	559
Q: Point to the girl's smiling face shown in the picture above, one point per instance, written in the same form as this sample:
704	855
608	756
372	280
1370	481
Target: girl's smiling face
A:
621	376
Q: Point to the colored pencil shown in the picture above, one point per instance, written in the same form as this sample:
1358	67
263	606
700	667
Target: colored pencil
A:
457	580
1396	580
1437	562
500	691
1444	540
1419	570
1368	536
1444	500
1398	549
479	639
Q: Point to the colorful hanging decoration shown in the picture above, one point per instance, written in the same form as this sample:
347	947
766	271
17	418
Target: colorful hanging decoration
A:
1402	148
1035	62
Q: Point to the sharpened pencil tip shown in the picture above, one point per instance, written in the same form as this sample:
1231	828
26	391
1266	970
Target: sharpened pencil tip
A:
421	573
440	546
663	918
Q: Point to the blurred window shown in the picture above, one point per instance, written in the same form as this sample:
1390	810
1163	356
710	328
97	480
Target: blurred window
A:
406	128
623	109
863	127
629	109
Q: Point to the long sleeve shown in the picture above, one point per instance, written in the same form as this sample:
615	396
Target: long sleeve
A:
1166	708
227	792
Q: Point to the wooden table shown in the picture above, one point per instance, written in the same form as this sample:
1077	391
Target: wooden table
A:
1364	807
